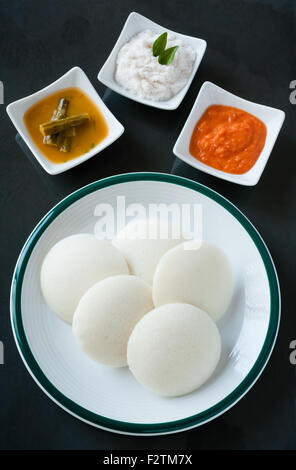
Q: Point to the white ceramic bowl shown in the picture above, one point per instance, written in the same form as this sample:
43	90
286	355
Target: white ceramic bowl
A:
74	78
111	398
211	94
134	24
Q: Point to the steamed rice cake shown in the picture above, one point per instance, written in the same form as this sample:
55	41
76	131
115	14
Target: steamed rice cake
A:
174	349
198	276
144	241
106	316
72	266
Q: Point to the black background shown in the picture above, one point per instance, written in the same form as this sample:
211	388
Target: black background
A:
251	52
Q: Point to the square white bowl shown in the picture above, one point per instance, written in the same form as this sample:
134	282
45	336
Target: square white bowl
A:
211	94
74	78
134	24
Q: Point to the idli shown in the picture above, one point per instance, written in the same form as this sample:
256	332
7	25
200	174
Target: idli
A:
144	241
198	276
106	316
72	266
174	349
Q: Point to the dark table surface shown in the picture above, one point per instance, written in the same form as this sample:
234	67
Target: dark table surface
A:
251	52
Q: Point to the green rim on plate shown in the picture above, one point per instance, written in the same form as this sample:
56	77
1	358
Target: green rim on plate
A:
121	426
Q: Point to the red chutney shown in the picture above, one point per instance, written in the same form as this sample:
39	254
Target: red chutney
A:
228	139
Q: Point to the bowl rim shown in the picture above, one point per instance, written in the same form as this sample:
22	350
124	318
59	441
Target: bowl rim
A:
233	178
57	168
172	103
124	427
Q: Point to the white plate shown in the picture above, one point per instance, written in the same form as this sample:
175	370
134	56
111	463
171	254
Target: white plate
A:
210	94
134	24
111	398
73	78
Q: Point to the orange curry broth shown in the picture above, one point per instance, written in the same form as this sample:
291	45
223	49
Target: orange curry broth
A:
87	136
228	139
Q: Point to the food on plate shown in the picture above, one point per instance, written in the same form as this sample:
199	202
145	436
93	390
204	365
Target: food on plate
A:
228	139
65	125
198	276
144	241
64	139
165	333
59	113
140	72
174	349
72	266
57	126
106	315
